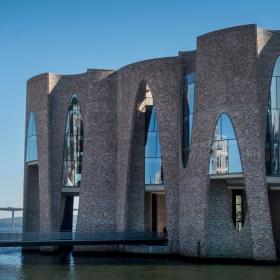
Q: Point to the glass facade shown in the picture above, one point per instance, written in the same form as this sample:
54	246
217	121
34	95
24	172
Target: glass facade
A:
187	113
225	156
273	124
31	149
153	166
73	145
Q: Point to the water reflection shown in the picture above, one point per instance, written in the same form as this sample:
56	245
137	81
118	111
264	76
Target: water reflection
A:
14	265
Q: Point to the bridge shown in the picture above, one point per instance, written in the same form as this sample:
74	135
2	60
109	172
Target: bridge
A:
16	239
12	210
17	209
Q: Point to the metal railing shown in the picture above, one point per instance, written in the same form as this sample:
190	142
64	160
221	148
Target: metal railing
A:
12	210
101	237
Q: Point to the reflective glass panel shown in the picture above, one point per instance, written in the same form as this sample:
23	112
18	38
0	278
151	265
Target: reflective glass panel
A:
276	70
153	164
188	100
273	124
73	145
31	149
225	156
153	170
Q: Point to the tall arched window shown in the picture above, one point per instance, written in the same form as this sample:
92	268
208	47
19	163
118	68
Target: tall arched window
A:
73	145
273	124
187	113
31	148
225	156
153	166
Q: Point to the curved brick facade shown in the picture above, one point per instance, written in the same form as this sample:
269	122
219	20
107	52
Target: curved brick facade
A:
233	72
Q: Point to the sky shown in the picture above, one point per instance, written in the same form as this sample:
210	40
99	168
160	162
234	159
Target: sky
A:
67	37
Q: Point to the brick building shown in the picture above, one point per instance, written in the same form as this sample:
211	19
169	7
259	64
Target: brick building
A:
190	143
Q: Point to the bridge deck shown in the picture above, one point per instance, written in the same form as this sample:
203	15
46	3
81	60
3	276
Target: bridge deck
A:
14	239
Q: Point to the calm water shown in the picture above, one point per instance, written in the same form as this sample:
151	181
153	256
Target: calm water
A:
14	265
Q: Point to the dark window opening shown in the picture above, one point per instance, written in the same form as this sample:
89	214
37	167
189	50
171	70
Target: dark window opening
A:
238	203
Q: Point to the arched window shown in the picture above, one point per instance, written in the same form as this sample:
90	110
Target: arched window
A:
73	145
273	124
187	114
31	148
153	166
225	156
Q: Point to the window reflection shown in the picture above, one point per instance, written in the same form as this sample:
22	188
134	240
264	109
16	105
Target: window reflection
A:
153	166
225	156
273	122
73	145
31	149
188	108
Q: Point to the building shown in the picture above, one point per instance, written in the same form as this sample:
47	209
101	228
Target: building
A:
190	143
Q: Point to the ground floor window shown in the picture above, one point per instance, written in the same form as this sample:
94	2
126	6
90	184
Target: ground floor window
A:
238	208
75	212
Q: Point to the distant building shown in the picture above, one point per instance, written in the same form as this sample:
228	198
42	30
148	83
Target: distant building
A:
190	143
219	156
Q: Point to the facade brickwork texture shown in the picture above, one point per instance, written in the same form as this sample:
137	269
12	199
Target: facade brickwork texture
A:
233	72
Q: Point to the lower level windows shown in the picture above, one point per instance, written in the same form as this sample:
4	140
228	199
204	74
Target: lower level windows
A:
238	203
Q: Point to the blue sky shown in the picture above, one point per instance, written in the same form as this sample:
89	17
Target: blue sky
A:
70	36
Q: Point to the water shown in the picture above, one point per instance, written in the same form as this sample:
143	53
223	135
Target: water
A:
15	265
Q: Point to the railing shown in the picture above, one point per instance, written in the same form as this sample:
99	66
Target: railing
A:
90	238
12	210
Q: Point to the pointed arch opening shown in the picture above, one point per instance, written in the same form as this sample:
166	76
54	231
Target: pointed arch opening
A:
224	165
31	207
153	164
146	199
72	164
73	145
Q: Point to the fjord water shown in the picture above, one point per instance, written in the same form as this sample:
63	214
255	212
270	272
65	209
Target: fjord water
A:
15	265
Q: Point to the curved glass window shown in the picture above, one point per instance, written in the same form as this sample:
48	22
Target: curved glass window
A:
225	156
73	145
31	148
188	107
153	166
273	124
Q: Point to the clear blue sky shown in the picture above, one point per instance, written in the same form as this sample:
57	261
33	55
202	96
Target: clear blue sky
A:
70	36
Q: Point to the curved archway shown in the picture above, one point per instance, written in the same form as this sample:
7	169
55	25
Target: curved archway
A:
73	145
146	200
153	166
72	162
31	143
32	206
225	161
